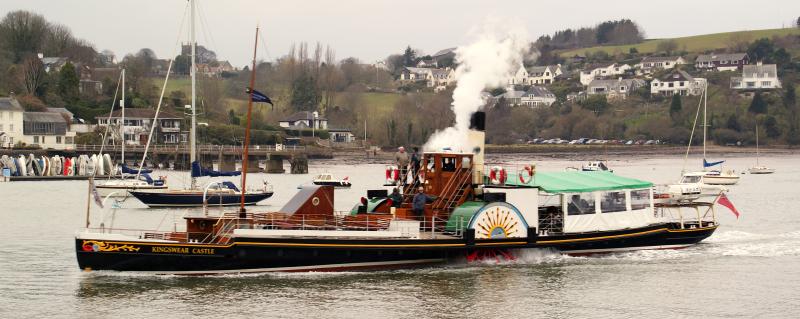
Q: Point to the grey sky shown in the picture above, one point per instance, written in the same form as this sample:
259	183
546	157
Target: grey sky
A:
373	29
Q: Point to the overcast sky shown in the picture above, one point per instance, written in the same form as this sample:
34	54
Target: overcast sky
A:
373	29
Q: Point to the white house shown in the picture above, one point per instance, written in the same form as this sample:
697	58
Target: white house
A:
410	74
519	77
137	126
439	79
677	82
47	130
721	61
603	71
757	77
543	74
304	120
512	97
341	135
538	96
653	63
614	89
10	121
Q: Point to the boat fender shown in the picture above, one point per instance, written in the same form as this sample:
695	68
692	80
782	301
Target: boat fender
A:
497	175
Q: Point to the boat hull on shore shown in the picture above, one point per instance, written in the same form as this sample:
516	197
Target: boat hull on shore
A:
249	254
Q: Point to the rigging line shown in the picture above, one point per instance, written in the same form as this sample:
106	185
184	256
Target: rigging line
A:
264	46
163	89
108	120
209	37
694	125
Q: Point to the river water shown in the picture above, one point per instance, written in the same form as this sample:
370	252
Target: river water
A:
749	268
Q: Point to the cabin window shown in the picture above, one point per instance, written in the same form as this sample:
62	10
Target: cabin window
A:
611	202
640	199
581	204
448	164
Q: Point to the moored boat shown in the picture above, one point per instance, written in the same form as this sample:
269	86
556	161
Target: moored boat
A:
326	179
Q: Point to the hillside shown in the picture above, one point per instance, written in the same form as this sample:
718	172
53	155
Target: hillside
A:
692	44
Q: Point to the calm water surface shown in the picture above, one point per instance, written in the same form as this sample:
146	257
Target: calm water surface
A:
749	268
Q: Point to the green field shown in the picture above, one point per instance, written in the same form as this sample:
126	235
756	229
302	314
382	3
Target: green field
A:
692	44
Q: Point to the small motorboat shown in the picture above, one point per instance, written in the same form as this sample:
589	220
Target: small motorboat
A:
596	166
327	179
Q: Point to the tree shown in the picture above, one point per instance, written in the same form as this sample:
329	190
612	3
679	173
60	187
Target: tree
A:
596	103
771	127
675	106
733	123
758	105
409	57
32	75
789	98
305	94
798	22
761	50
68	82
667	46
22	33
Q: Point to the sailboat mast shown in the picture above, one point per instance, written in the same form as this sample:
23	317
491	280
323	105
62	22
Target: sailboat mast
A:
246	143
705	122
122	127
757	155
193	72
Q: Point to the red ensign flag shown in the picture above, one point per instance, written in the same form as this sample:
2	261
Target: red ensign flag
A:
724	201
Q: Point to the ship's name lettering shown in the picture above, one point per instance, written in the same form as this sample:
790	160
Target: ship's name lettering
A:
183	250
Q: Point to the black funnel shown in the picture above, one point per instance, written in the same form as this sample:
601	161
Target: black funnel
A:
477	121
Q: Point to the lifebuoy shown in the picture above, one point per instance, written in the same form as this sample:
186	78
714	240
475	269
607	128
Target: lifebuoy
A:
526	174
497	175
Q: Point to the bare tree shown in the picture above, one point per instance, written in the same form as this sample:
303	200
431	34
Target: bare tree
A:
32	74
667	46
22	33
738	42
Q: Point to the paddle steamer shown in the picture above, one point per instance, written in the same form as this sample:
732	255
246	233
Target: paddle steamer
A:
470	218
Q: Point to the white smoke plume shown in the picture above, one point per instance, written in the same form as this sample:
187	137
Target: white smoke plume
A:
488	62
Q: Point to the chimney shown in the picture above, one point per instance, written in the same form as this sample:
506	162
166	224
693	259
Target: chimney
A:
477	139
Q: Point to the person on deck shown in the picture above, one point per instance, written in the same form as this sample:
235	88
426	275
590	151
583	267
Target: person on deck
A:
401	158
415	162
419	201
396	197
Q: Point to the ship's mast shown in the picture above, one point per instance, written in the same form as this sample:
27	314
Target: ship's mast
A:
193	72
705	122
246	143
122	127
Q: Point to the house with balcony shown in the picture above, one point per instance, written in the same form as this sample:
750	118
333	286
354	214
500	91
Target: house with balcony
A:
47	130
757	77
137	126
721	61
652	64
10	121
440	79
678	82
601	71
614	89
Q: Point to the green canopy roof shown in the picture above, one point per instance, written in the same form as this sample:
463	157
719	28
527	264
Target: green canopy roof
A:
577	182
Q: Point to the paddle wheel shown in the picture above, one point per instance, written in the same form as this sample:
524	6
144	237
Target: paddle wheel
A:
487	254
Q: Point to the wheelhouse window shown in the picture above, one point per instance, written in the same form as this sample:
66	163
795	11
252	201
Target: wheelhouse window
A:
611	202
581	204
640	199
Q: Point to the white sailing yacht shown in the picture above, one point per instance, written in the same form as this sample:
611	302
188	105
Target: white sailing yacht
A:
143	181
709	177
759	169
219	193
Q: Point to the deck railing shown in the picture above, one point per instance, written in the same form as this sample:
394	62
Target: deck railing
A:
185	148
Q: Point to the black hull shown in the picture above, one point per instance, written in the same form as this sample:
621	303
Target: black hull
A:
334	184
168	199
246	255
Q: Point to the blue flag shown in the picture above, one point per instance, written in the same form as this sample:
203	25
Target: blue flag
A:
259	97
707	164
